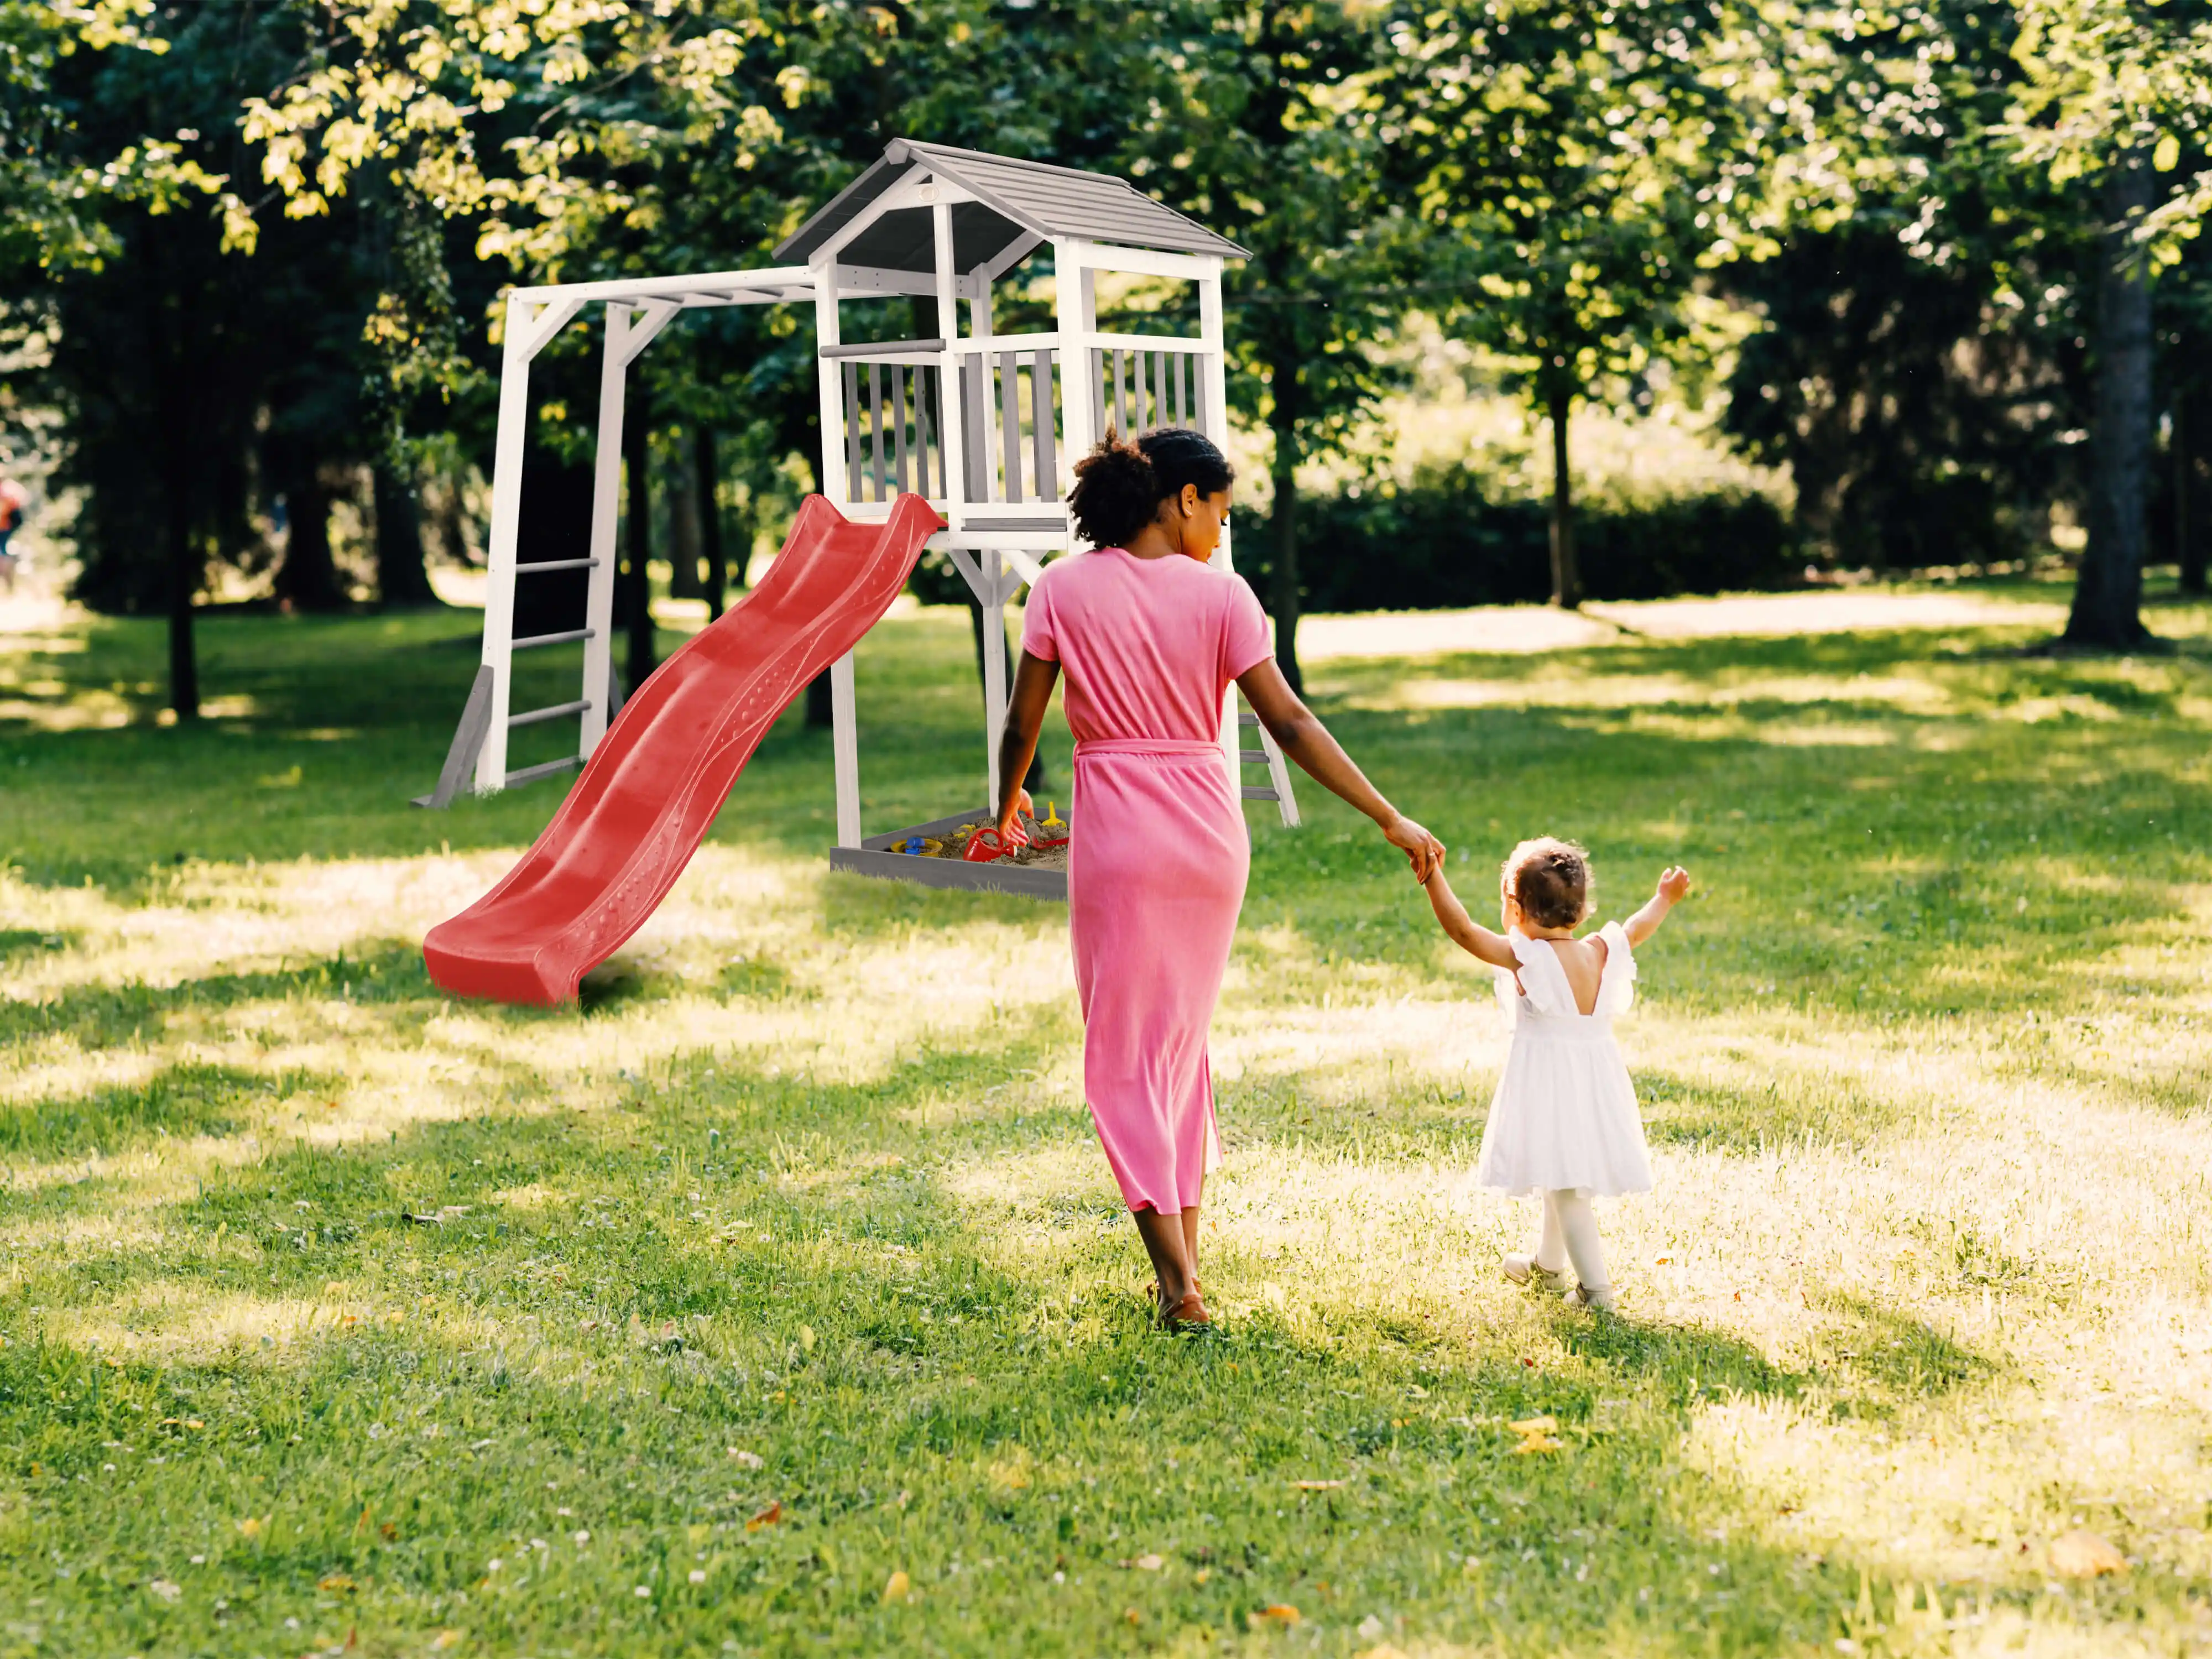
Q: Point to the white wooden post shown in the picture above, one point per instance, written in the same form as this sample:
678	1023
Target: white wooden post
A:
994	666
844	715
1213	396
515	353
986	422
606	492
845	749
1074	310
832	388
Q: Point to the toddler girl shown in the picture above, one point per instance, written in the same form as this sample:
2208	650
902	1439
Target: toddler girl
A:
1564	1123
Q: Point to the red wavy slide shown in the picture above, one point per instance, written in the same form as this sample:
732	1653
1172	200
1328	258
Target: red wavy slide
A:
637	813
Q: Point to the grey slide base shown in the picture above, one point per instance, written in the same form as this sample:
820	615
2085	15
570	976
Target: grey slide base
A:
873	857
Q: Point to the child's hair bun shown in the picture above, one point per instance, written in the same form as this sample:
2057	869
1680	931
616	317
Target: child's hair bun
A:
1551	880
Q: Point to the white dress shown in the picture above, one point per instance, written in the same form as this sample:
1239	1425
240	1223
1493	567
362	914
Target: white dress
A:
1565	1115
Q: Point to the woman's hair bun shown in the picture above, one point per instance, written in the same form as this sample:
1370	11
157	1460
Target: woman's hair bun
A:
1120	484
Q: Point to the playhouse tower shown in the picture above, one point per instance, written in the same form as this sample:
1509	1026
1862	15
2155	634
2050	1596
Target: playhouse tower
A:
986	425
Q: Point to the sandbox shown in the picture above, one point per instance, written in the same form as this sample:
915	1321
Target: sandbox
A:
1036	872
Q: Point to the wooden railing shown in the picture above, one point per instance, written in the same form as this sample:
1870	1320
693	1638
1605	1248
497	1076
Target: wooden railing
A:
1142	386
1013	433
893	444
1014	440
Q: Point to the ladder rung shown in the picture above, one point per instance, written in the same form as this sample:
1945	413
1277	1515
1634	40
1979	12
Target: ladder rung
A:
556	564
531	773
550	711
1253	756
537	639
1248	719
1251	794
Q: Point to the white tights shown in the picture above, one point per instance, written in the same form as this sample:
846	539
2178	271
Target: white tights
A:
1569	1235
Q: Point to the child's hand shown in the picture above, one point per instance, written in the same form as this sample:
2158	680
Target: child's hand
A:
1675	883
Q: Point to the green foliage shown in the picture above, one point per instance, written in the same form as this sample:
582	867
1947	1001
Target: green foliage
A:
1577	168
1447	537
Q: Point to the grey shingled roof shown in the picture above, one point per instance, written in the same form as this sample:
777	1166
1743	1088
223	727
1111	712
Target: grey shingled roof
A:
1013	199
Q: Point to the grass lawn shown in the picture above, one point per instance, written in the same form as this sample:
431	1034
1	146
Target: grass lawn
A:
778	1300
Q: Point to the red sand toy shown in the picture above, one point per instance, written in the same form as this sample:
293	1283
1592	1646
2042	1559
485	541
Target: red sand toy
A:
658	777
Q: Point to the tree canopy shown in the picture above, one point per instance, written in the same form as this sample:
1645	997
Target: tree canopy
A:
1956	240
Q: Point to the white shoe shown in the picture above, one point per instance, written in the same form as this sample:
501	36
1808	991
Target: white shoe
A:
1582	1296
1522	1268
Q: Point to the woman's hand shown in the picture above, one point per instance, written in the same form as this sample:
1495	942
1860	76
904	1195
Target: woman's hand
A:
1011	832
1422	850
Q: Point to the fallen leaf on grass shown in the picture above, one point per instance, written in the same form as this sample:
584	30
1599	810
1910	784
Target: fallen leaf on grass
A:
1535	1426
335	1581
746	1460
2079	1554
896	1586
446	1639
766	1518
252	1526
168	1589
1143	1563
1276	1613
1315	1486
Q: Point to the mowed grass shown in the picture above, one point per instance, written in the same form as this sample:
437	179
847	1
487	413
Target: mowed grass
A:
777	1300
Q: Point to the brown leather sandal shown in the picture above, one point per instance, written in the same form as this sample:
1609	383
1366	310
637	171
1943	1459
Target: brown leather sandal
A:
1188	1315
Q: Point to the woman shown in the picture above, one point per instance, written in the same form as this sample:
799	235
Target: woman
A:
1150	639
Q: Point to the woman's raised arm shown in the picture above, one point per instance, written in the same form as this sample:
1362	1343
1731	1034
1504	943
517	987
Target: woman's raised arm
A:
1018	741
1301	736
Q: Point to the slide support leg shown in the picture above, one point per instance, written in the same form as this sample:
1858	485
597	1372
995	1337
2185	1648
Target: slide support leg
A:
845	745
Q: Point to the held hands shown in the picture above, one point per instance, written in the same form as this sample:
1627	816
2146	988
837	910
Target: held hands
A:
1422	850
1673	883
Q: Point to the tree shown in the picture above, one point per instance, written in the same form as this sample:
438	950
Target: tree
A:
1918	367
1576	165
2110	94
1264	127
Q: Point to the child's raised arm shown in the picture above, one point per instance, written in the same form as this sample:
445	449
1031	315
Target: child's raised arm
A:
1466	932
1673	882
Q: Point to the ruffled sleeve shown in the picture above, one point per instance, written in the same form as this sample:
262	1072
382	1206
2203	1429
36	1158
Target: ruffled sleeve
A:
1616	988
1543	982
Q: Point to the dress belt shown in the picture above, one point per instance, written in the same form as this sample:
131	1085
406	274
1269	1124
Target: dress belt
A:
1145	746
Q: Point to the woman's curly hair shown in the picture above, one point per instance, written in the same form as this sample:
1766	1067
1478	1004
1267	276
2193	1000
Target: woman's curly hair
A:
1119	485
1551	879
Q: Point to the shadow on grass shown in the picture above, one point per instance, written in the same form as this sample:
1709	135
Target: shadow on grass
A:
19	942
1902	1358
99	1016
1704	1116
186	1099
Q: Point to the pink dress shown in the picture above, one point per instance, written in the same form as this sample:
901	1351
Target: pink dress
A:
1159	855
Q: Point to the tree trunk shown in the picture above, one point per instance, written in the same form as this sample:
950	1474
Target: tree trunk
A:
308	579
637	576
1282	588
680	490
706	474
1567	576
184	581
2108	595
2188	548
401	578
